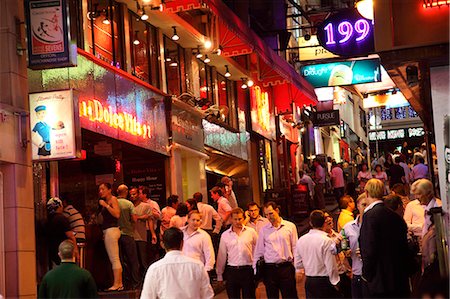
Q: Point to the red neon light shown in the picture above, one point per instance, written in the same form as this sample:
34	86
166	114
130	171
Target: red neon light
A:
435	3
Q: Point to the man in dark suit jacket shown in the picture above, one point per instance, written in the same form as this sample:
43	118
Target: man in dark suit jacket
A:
383	245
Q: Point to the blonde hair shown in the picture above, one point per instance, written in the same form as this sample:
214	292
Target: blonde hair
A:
375	188
423	187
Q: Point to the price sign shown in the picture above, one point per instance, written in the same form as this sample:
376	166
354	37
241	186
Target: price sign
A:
347	33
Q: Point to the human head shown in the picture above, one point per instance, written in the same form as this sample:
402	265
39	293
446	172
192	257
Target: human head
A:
41	112
272	212
216	193
361	203
222	187
198	196
54	206
253	210
66	250
374	189
104	190
122	191
194	220
191	204
316	162
347	203
398	189
182	209
237	218
364	167
227	181
423	191
329	223
317	219
134	194
397	160
378	168
172	201
421	160
173	239
144	193
394	202
300	173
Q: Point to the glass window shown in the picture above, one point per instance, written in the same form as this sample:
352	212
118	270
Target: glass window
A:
144	50
386	114
174	64
412	113
105	39
206	82
400	113
227	100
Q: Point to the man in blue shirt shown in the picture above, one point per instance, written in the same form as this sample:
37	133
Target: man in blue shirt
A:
42	129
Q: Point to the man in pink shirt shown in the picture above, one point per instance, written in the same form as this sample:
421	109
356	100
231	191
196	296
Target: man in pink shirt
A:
337	181
319	179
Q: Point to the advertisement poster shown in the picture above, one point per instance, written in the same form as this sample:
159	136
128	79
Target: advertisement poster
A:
342	73
263	121
52	125
48	34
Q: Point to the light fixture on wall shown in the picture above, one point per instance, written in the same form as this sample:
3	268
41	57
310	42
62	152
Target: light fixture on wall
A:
136	39
250	82
144	16
227	72
106	20
208	44
175	36
198	53
173	64
207	60
218	51
244	83
92	15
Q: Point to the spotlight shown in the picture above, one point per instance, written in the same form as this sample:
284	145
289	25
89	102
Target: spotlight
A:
106	20
175	36
250	83
144	16
307	36
207	60
136	39
168	59
208	44
227	72
199	54
244	83
173	64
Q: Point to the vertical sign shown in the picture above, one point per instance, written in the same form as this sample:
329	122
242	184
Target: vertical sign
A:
52	125
48	34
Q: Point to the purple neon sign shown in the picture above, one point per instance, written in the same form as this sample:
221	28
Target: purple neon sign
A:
347	33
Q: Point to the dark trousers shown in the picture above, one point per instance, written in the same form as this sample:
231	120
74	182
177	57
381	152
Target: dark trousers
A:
141	247
240	279
320	287
280	278
345	286
319	199
338	193
129	259
152	249
357	291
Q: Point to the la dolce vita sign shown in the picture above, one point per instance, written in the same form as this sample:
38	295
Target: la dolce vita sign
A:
97	112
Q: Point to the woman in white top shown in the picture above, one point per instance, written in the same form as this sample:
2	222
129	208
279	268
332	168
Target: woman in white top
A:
382	176
363	176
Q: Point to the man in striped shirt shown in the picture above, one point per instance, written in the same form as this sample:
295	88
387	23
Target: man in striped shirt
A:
75	220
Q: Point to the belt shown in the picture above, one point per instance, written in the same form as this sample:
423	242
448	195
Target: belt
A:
317	277
240	267
279	265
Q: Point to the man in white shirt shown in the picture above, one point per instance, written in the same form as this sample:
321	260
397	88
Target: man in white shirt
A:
236	254
315	253
223	205
276	244
306	179
229	193
153	249
253	219
208	215
352	230
168	212
197	242
337	181
176	275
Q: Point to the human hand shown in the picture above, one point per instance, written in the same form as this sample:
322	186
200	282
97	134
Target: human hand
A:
154	239
358	253
103	203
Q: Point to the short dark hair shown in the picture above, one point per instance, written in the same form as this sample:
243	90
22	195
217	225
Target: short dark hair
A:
193	203
172	199
398	159
146	191
421	160
393	201
251	204
344	201
107	185
271	204
237	211
66	249
378	165
198	196
317	218
399	189
182	210
220	185
217	190
172	238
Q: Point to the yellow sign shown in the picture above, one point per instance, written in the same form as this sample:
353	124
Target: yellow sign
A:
311	50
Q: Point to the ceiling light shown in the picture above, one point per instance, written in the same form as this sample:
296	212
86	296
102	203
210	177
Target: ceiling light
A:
175	36
168	59
365	8
106	20
208	44
174	64
144	16
227	72
250	83
199	54
207	60
244	83
136	39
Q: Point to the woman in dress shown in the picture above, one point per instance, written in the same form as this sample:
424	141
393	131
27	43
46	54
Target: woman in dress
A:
111	233
382	176
363	176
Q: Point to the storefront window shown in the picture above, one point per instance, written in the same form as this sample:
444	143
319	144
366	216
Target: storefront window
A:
386	114
227	100
206	82
412	113
400	113
175	67
104	37
144	50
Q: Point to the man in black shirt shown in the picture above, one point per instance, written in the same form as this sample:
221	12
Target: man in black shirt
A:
396	173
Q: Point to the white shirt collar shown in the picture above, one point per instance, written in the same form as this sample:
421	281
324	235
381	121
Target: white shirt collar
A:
369	207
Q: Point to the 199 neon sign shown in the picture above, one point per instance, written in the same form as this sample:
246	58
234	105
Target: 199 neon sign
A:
347	34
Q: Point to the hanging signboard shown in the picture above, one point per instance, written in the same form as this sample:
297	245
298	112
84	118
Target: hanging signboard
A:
311	49
52	125
263	120
342	73
48	35
326	118
347	33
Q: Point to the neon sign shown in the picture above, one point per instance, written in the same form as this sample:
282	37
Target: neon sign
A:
95	111
435	3
347	33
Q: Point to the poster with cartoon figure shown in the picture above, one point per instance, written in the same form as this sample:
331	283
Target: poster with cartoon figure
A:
52	125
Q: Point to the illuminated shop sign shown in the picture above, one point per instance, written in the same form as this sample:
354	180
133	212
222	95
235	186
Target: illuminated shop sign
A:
187	128
347	33
326	118
342	73
224	140
263	121
388	100
387	135
435	3
48	35
311	49
52	125
95	111
380	135
416	132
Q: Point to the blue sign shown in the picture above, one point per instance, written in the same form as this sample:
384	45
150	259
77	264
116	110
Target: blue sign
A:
48	35
341	73
347	33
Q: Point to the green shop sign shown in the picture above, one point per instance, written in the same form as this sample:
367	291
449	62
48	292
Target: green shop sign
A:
341	73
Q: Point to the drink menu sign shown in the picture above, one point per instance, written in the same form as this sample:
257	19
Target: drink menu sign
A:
48	34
